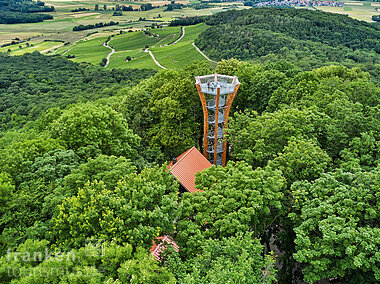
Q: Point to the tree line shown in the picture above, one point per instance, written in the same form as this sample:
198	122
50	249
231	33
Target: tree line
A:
33	83
94	26
24	11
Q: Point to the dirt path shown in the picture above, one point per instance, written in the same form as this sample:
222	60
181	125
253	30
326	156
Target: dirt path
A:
109	54
68	50
182	35
155	60
204	55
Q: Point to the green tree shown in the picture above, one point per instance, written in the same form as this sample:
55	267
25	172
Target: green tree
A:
91	130
35	261
301	160
239	259
140	208
165	110
235	199
336	225
258	139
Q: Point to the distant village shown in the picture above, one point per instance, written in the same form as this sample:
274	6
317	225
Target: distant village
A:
297	3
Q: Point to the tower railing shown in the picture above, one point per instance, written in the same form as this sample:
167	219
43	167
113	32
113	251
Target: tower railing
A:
216	93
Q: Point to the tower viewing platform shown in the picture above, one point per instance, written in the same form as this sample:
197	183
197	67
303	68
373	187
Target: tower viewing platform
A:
217	93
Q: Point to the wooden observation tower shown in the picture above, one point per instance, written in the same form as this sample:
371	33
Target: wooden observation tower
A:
217	92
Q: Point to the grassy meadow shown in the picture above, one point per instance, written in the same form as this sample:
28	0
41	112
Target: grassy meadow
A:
170	56
181	53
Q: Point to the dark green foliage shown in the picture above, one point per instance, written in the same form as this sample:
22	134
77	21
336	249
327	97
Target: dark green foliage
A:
188	21
307	38
25	6
80	10
32	83
165	111
22	11
95	26
171	7
146	7
7	17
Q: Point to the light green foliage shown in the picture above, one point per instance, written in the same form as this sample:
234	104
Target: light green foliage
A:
141	270
363	152
140	207
90	130
7	190
108	169
235	199
321	86
17	156
336	225
258	139
350	108
35	262
237	259
27	255
301	160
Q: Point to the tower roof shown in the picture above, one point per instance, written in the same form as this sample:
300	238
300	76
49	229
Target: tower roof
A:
187	165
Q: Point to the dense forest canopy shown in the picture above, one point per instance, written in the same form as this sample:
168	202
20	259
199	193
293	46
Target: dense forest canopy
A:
23	11
308	38
303	175
33	83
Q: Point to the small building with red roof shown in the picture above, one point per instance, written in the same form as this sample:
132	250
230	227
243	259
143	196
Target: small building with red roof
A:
160	244
186	165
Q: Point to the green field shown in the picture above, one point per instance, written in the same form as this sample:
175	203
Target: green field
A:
138	40
91	51
43	47
183	52
64	20
140	60
360	10
171	56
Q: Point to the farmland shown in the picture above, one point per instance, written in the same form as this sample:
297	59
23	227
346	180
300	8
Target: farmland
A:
129	38
359	10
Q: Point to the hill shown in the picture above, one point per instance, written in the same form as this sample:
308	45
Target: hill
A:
308	38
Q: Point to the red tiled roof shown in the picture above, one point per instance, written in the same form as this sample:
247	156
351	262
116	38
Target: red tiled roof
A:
187	165
156	249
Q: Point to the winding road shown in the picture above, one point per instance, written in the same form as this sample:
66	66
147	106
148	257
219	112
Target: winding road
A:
204	55
155	60
109	54
182	35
